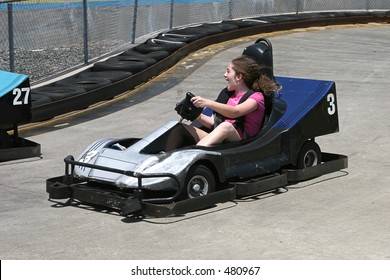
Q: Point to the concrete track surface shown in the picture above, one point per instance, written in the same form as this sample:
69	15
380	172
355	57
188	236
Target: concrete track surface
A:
344	215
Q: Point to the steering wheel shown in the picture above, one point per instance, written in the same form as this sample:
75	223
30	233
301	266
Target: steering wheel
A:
186	109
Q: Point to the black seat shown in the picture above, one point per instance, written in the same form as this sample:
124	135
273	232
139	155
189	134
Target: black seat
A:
261	52
278	109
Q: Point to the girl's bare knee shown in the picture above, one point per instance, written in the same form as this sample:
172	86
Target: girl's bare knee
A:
226	127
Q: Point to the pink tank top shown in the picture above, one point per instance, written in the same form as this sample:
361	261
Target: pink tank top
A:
254	119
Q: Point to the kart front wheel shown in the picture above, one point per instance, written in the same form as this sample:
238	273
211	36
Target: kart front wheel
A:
200	181
309	155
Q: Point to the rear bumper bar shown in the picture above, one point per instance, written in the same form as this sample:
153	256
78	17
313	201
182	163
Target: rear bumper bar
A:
330	163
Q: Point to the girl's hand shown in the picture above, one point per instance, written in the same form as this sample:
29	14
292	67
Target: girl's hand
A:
200	102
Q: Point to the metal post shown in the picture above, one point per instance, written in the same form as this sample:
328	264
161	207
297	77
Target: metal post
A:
367	5
171	14
11	38
85	18
134	21
230	9
298	4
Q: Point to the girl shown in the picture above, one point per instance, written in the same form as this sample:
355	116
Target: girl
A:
242	75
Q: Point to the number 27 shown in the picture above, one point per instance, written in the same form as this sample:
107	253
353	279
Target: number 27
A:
19	99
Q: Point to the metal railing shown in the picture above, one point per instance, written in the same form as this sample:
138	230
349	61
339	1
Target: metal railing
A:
42	38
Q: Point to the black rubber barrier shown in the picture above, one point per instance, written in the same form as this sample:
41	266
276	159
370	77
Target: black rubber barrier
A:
169	49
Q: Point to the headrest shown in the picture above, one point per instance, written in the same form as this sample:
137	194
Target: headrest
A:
261	52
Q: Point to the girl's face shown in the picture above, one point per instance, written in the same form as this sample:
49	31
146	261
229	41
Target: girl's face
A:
231	78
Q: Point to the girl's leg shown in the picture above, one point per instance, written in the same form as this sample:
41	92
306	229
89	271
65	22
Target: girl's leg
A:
224	131
197	133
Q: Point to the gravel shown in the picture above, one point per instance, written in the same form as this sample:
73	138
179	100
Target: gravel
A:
43	64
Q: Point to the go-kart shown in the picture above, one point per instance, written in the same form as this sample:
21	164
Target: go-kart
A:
165	173
15	109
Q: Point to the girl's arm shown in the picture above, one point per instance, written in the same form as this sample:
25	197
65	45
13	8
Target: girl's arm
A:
207	121
228	111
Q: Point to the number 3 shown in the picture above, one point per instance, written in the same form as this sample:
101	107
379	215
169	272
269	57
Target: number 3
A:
19	99
332	106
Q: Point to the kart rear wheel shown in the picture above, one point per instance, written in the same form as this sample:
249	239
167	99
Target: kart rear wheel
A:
309	155
200	181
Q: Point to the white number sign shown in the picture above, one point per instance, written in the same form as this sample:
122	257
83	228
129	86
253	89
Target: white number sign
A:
21	96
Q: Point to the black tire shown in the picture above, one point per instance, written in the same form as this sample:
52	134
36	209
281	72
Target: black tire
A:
244	23
207	28
56	93
116	65
309	155
176	37
147	60
157	55
199	181
39	99
114	76
85	83
193	32
225	27
152	45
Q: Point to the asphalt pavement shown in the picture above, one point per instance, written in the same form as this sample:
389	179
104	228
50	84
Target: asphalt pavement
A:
341	216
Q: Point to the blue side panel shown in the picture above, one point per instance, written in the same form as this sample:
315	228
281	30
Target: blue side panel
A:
301	95
15	98
9	81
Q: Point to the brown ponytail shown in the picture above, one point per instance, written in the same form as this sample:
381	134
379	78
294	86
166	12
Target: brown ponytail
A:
254	75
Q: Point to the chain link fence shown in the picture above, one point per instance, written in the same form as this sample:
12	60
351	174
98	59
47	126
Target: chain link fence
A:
42	38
